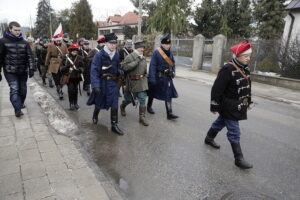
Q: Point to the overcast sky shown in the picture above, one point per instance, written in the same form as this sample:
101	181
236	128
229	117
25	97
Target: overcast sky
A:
22	10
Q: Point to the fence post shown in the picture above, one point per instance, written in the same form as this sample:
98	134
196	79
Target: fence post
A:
198	49
218	51
157	41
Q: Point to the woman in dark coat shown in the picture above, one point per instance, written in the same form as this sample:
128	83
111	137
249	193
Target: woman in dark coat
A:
105	72
161	74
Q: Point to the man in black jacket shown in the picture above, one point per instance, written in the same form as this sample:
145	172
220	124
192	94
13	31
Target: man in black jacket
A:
231	97
17	61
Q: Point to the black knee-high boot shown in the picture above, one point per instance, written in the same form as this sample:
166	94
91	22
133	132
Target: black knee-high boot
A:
114	122
95	115
170	114
238	155
149	105
209	139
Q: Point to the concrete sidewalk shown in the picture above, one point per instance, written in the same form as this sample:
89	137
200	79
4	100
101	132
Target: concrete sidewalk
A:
36	162
258	89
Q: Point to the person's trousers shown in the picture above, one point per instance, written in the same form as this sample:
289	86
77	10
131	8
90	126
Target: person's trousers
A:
46	73
18	88
141	97
73	91
56	78
233	128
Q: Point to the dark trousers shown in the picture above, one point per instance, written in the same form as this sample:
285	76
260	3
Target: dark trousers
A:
18	89
233	128
56	78
73	91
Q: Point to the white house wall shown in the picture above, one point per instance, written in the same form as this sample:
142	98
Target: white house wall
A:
296	27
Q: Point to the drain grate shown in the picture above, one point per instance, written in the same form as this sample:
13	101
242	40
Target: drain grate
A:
246	195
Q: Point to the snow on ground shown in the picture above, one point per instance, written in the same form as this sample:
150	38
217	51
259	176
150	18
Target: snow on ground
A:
57	116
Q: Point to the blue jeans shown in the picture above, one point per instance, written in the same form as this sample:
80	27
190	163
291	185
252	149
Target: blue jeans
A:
18	89
141	96
233	129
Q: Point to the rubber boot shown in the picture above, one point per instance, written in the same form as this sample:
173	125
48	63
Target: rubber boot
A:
149	105
209	139
122	109
142	112
238	156
114	122
95	115
170	115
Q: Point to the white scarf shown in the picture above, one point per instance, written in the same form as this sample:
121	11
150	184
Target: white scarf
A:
139	54
110	53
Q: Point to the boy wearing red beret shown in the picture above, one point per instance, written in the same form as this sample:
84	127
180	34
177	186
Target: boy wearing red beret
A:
231	97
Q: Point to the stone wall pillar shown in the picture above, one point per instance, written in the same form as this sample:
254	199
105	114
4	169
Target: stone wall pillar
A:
157	41
198	50
218	52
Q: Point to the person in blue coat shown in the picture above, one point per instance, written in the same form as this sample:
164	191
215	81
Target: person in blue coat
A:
160	79
105	72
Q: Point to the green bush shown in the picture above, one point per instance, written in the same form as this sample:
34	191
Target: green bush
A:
268	65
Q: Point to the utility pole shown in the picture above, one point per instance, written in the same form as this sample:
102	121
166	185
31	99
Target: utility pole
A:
50	20
140	21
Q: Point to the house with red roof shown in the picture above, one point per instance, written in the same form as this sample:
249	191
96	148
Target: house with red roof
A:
116	23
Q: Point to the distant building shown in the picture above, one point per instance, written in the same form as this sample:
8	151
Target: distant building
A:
116	23
292	22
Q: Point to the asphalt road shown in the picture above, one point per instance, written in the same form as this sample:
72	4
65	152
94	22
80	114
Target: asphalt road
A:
168	160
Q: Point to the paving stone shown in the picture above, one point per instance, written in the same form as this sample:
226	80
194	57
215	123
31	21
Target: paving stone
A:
61	139
40	128
9	167
7	131
6	121
53	157
38	188
26	143
15	196
84	177
68	149
25	133
8	153
30	155
95	192
33	170
24	124
47	146
66	190
7	111
58	173
75	161
45	137
10	184
7	141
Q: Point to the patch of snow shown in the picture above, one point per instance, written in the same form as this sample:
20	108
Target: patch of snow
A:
57	116
268	73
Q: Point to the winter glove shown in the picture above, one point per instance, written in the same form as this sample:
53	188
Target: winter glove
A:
96	90
31	73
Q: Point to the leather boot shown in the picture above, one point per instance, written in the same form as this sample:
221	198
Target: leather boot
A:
149	105
51	84
239	158
142	112
209	139
72	107
114	122
88	91
170	114
59	92
75	96
122	108
44	81
95	115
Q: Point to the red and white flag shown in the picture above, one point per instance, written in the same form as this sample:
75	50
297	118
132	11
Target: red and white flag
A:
58	34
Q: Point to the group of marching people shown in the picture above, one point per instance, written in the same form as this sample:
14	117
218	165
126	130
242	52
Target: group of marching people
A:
105	69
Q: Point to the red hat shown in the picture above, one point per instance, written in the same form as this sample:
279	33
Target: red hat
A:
101	40
73	47
242	48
